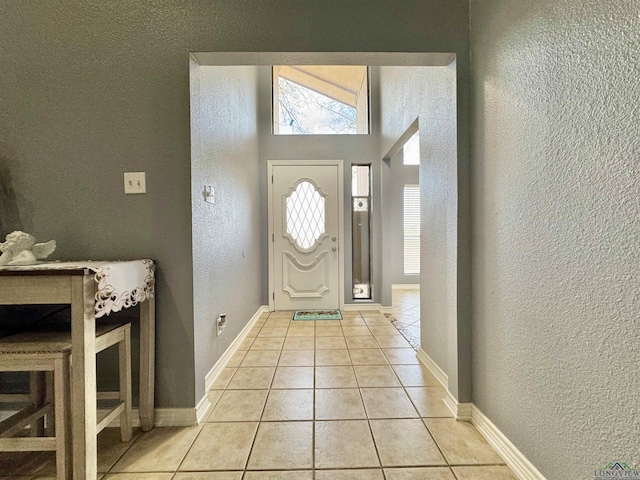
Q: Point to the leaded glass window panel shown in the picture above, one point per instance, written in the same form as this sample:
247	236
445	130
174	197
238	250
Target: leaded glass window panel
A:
305	215
360	204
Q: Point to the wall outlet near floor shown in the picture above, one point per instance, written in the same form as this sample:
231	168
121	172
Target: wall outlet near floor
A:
221	323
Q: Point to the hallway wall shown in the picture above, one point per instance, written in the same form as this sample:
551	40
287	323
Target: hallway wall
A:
556	215
92	89
226	235
429	94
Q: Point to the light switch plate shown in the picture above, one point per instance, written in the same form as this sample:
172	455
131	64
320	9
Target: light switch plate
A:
209	194
135	183
221	323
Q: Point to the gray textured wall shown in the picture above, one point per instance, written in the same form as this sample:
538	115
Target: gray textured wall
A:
91	89
556	197
429	94
87	92
226	235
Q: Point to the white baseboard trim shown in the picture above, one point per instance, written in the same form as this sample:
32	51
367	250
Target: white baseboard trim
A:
468	412
187	417
364	307
433	367
461	411
451	403
224	358
175	417
405	286
203	408
367	307
522	467
163	417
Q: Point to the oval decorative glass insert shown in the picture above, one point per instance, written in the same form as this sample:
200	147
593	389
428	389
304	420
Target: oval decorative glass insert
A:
305	215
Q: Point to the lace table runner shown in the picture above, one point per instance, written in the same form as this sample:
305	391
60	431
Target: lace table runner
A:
120	284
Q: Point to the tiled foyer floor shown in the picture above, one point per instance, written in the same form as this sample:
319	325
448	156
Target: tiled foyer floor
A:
406	310
325	400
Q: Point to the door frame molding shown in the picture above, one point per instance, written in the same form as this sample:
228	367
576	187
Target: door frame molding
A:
303	163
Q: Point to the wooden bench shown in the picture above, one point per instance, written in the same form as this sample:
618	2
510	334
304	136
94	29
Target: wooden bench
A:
50	351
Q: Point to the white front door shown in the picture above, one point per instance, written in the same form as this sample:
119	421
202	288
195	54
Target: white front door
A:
305	211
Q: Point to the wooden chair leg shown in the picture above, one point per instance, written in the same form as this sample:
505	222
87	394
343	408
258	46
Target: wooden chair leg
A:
50	428
124	367
147	363
37	392
62	405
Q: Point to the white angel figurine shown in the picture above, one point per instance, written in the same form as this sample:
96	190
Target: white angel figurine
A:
20	248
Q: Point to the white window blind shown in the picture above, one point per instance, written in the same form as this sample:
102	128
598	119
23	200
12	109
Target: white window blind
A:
411	230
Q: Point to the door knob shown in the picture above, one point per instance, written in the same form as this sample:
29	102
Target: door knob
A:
334	249
333	238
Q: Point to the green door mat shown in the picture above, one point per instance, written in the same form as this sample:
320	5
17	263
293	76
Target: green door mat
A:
317	315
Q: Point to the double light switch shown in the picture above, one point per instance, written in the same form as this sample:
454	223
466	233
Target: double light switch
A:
135	183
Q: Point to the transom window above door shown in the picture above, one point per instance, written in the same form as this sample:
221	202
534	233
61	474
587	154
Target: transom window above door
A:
320	99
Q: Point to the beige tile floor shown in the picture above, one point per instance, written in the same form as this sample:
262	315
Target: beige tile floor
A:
406	309
325	400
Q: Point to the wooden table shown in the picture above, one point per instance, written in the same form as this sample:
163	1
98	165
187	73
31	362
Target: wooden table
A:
92	289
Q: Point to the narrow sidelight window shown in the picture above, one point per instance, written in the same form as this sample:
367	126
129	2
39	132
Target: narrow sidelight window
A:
361	230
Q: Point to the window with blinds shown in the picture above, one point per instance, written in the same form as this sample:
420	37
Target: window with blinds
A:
411	230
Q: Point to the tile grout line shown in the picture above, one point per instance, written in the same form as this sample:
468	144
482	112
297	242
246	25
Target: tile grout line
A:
255	435
453	473
331	419
200	429
404	388
120	456
436	442
366	414
373	438
313	414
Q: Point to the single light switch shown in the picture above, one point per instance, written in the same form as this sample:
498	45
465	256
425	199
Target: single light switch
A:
135	182
209	194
